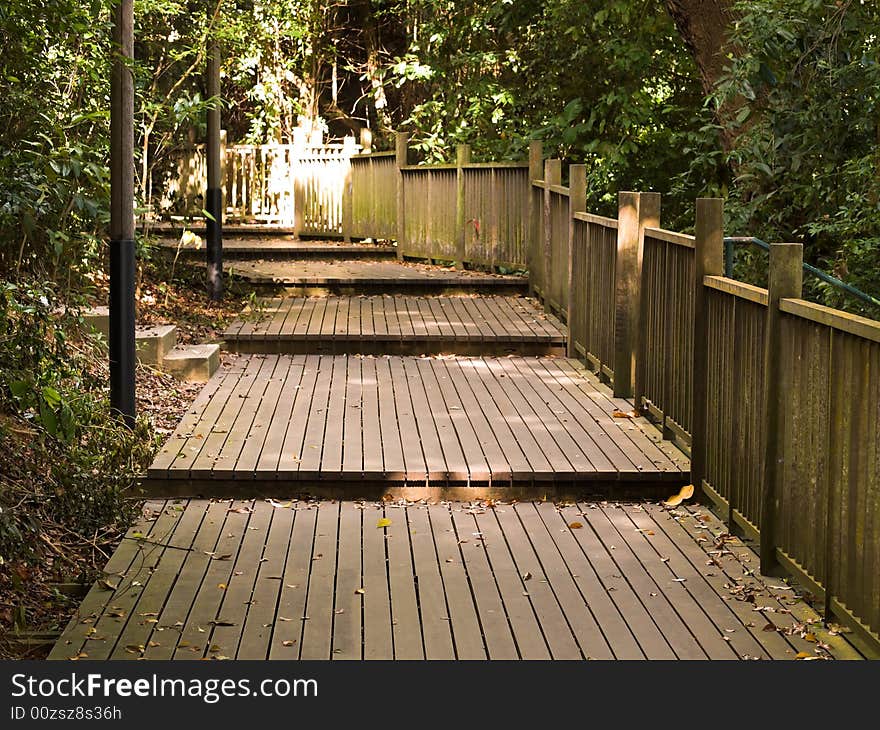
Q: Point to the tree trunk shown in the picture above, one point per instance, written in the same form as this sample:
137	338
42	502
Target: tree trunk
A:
704	26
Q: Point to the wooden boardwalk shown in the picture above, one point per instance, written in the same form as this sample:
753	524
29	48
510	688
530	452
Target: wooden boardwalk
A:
488	325
394	580
276	424
282	247
371	277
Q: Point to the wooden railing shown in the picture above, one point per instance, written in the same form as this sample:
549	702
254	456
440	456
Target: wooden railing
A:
289	185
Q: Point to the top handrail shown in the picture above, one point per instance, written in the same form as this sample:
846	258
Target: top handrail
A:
731	241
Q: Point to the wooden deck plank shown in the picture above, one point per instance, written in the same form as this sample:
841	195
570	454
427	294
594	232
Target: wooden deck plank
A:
392	448
643	452
675	586
406	624
290	620
609	618
256	634
318	618
305	432
687	560
333	442
507	417
272	400
244	427
434	613
463	615
584	446
414	459
554	625
574	604
316	273
213	434
225	634
347	607
163	640
353	427
372	432
741	564
376	598
635	613
194	633
275	453
429	439
448	580
549	454
512	586
475	374
497	632
113	617
461	397
662	611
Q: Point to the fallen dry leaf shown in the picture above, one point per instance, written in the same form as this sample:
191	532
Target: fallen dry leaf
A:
686	492
383	522
575	525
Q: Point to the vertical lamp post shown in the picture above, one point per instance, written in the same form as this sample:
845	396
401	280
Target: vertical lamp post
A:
214	192
122	245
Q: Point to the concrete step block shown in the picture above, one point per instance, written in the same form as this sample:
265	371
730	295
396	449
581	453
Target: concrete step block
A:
98	318
154	343
193	363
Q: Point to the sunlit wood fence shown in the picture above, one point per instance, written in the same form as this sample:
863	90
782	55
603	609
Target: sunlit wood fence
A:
301	187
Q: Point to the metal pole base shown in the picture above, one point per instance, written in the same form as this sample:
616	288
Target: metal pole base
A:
122	319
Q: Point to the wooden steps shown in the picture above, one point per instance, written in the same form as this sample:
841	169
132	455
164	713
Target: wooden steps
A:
355	277
397	325
280	248
278	424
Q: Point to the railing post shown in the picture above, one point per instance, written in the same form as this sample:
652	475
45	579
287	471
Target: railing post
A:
366	141
535	213
577	203
224	182
214	192
785	282
708	261
462	158
401	146
299	195
636	211
552	176
347	204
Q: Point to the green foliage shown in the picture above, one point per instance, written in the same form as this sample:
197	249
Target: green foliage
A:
53	133
63	459
806	86
608	84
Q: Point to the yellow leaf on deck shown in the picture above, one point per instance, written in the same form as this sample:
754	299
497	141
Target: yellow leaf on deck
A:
686	492
384	522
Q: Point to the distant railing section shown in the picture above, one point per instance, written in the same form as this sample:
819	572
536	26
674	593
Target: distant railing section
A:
290	185
373	195
663	367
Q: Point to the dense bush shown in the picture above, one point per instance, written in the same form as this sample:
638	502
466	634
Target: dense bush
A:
64	462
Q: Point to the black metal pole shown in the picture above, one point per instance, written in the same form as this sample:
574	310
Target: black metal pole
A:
214	192
122	246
